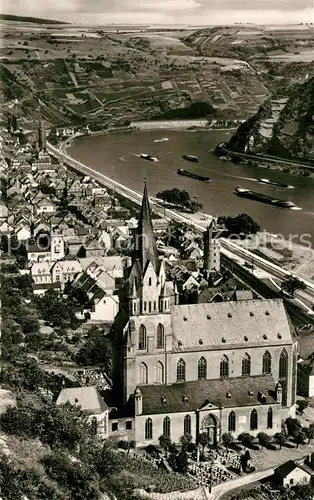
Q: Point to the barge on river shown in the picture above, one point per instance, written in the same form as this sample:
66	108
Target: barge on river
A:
181	171
263	198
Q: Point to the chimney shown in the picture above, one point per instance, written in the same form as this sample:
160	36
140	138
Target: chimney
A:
207	240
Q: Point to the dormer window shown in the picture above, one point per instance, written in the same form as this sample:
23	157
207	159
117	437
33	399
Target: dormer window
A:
265	336
208	316
251	393
163	400
200	341
228	395
229	315
251	313
279	336
246	339
223	340
180	343
185	399
185	318
267	313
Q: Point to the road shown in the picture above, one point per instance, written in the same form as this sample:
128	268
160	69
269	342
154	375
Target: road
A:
229	486
227	246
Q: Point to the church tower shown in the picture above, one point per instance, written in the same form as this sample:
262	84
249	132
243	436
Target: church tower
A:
143	349
57	249
211	251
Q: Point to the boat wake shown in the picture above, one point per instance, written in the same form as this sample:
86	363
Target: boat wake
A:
122	158
163	139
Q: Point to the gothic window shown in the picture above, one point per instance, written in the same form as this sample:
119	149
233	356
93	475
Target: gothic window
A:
232	422
187	425
181	370
283	375
155	306
144	306
149	282
270	418
224	367
202	368
266	363
142	337
143	374
160	335
253	420
159	373
166	427
149	307
149	429
246	364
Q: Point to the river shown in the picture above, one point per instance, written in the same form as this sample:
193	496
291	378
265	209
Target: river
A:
115	156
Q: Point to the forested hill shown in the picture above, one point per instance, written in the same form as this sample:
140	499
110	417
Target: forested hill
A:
283	125
35	20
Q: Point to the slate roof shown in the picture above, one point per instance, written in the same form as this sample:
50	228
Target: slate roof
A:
225	325
88	398
201	393
285	469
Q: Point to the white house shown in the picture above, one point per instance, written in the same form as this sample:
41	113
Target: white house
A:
23	233
91	403
45	206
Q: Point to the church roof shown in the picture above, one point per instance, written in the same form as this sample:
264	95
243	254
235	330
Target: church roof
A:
146	249
224	325
232	392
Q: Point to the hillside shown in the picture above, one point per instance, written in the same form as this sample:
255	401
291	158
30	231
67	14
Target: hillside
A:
34	20
283	125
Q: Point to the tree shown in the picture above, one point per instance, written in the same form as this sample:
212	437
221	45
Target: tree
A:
291	285
203	440
299	438
227	439
302	404
57	310
164	443
239	224
309	432
185	441
263	439
97	350
280	439
246	439
293	426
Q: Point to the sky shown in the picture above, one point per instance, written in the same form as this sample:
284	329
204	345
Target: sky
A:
197	12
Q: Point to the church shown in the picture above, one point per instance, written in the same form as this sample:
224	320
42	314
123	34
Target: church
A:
213	367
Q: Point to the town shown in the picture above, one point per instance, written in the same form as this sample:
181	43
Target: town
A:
133	319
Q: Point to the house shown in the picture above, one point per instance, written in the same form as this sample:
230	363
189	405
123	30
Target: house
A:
3	211
91	403
23	232
5	228
101	305
91	248
65	270
292	473
112	264
45	205
40	272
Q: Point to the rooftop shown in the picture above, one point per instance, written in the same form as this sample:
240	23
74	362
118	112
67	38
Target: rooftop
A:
88	398
225	392
247	323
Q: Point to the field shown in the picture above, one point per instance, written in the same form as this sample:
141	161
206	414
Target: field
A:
109	74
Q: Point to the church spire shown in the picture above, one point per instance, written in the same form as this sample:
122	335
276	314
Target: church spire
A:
145	245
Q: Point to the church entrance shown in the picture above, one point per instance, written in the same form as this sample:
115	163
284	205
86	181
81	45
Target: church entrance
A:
209	426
